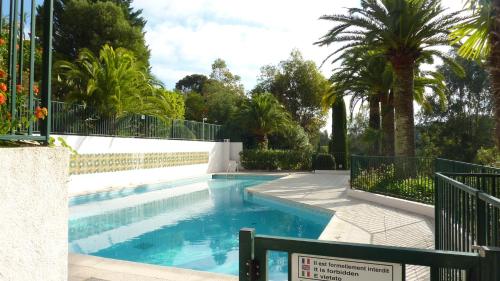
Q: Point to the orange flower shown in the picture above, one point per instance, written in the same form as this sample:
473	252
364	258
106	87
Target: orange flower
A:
36	90
3	99
3	74
3	87
19	88
2	41
40	112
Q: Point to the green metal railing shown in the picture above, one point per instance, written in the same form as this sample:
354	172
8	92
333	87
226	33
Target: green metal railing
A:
467	214
74	119
20	115
403	177
254	250
451	166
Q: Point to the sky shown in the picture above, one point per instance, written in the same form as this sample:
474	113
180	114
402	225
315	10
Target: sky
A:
186	36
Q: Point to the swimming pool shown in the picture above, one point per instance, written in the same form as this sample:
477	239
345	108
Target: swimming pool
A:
190	224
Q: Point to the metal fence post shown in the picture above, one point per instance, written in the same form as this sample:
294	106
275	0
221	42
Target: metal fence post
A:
490	269
247	236
47	67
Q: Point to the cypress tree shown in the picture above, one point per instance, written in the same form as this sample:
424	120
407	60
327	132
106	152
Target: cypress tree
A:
338	146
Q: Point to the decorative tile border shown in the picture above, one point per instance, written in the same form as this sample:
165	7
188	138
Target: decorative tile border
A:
113	162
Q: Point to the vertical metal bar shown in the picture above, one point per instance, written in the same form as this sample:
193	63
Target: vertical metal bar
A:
246	255
1	18
32	64
21	43
13	59
47	67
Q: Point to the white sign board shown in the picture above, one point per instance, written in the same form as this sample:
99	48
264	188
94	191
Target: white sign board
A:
320	268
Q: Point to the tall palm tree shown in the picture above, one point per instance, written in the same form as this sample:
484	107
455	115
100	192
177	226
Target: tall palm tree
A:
403	31
112	82
262	115
368	76
480	35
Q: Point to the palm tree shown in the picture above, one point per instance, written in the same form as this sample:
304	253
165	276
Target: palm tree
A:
368	76
481	41
262	115
112	83
403	31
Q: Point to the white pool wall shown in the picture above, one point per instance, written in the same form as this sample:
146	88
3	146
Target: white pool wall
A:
220	154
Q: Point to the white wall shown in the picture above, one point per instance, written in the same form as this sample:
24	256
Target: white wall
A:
34	214
219	156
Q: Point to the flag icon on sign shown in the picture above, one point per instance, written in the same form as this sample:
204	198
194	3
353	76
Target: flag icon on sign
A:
306	267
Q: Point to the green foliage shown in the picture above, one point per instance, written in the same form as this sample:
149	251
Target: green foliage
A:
191	83
112	82
384	180
80	24
262	115
299	86
473	35
272	160
406	33
488	156
339	134
164	104
222	106
195	107
289	137
323	162
116	85
465	125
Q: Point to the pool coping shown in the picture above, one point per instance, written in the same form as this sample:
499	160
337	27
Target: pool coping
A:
105	268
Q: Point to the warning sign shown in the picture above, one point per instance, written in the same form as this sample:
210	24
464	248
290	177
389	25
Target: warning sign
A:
319	268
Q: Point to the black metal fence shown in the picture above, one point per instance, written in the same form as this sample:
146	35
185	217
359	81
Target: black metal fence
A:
467	213
403	177
77	119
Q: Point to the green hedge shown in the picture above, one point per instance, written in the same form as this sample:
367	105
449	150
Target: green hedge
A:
273	160
324	161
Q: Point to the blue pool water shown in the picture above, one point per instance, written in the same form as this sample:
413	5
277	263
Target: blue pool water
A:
191	224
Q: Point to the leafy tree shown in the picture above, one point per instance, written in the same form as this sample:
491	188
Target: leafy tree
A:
404	31
191	83
481	36
464	126
263	115
221	79
88	24
222	106
196	108
299	86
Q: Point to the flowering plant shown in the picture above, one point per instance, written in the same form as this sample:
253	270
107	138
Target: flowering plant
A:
23	116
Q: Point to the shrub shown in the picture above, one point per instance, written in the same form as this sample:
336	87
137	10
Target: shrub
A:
383	180
272	160
324	161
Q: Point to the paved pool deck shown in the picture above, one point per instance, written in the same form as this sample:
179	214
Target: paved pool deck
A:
354	221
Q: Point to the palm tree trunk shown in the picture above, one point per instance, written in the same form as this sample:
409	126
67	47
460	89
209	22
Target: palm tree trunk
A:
494	67
387	106
374	122
262	141
403	102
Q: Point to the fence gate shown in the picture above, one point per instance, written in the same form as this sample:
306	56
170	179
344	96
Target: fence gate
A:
313	260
